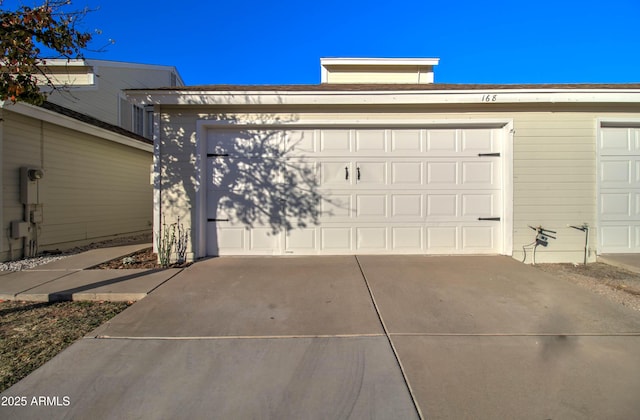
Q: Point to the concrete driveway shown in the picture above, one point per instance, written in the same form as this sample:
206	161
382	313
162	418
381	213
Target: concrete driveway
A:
384	337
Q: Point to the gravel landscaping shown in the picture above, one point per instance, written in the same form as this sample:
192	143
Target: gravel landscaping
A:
50	256
613	283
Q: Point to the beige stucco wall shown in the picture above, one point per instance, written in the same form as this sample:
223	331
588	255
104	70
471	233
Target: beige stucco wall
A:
554	163
92	189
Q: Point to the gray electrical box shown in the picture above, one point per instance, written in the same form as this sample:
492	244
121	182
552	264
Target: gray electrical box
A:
29	185
36	215
19	229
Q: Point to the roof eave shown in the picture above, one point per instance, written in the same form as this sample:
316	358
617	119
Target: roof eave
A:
57	118
386	97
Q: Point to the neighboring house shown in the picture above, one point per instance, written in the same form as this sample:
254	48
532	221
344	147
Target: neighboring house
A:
74	171
95	88
378	159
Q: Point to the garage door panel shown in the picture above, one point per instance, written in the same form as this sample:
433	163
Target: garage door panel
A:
335	142
407	174
480	172
616	236
371	206
371	238
617	141
336	207
442	142
407	206
616	173
407	142
300	143
264	239
370	142
479	141
478	238
371	173
337	174
615	206
476	205
407	238
442	173
301	241
442	206
442	239
335	239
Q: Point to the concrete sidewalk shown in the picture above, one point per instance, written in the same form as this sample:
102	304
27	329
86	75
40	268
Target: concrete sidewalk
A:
71	278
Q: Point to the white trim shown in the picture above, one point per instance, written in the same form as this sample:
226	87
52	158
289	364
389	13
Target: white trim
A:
200	202
199	225
157	177
395	98
74	124
507	187
240	121
63	62
365	61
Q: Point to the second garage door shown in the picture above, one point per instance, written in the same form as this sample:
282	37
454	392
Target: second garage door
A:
366	191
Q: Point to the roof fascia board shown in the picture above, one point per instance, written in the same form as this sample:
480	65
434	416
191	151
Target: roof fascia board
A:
488	97
73	124
75	62
379	61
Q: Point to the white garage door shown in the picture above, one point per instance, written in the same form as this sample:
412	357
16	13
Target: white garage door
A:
411	191
619	190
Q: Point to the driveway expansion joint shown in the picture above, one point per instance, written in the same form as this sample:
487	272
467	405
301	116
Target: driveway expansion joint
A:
237	337
393	348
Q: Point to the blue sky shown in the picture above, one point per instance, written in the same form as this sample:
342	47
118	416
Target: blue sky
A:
262	42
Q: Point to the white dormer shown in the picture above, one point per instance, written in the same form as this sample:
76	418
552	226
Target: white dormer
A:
378	70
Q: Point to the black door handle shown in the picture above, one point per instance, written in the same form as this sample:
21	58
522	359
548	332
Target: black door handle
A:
358	172
346	172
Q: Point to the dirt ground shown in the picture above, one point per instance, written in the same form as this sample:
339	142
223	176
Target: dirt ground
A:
613	283
31	333
145	258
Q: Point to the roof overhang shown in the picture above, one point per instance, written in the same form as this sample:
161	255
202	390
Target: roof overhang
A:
56	118
283	96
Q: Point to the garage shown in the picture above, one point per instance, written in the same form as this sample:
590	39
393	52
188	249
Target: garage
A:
380	159
619	188
325	190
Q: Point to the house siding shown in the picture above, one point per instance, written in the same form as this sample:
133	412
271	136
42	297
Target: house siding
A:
554	165
103	100
93	189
